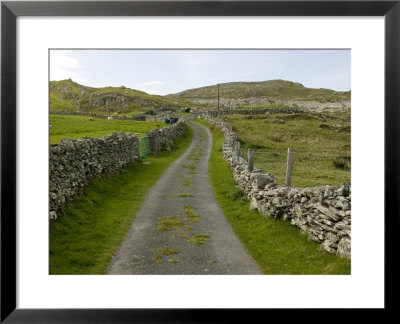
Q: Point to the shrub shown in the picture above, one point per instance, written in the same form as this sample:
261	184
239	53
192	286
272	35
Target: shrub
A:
342	162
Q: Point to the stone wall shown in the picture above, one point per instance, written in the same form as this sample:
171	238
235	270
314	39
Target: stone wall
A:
72	163
76	113
265	111
161	116
323	212
161	139
140	117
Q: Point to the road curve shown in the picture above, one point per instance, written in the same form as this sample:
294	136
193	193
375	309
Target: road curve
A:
180	228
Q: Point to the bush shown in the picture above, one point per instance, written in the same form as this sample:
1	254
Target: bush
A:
342	162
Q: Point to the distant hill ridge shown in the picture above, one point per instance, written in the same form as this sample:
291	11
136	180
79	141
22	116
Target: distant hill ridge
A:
273	88
69	96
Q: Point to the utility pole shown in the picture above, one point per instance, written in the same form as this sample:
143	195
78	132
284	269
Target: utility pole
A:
218	94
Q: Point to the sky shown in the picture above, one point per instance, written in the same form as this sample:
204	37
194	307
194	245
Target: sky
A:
170	71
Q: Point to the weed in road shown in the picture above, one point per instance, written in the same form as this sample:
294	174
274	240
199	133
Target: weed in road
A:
187	182
191	216
191	167
182	195
199	239
173	260
168	223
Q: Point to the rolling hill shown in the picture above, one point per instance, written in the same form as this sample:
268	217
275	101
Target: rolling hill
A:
273	92
69	96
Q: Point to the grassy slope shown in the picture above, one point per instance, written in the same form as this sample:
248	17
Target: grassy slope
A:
270	134
277	246
64	126
84	240
137	101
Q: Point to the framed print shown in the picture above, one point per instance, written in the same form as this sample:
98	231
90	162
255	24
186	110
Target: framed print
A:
36	34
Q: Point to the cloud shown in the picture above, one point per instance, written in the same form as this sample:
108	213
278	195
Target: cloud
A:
63	65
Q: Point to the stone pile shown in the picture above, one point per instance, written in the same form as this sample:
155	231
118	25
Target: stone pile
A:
72	163
323	212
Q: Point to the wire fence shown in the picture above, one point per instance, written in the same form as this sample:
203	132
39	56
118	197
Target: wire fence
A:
144	147
307	169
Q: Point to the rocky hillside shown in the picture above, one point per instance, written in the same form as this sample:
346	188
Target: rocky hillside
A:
70	96
273	92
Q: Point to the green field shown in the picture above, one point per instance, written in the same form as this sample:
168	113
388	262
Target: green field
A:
76	127
323	149
85	238
276	245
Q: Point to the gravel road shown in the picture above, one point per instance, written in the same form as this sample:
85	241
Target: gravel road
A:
180	228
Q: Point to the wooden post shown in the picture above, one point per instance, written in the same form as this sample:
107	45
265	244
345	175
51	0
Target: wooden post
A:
250	160
289	167
218	95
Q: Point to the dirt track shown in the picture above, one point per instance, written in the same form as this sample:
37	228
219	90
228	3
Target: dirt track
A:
180	228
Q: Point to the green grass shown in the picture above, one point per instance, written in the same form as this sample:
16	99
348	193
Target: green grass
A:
85	238
320	146
277	246
63	126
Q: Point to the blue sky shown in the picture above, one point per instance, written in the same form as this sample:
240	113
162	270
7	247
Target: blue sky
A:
170	71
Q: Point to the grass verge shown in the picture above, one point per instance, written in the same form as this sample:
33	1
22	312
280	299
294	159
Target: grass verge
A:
276	245
85	238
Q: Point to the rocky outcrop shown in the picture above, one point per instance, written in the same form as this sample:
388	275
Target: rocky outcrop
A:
72	163
323	212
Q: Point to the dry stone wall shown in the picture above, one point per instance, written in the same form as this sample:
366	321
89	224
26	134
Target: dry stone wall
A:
323	212
139	117
264	111
161	139
72	163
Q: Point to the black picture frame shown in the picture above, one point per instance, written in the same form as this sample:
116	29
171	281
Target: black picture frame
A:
11	10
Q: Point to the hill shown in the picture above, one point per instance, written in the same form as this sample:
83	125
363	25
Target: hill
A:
67	95
273	92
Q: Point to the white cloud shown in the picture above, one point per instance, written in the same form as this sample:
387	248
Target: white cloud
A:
64	66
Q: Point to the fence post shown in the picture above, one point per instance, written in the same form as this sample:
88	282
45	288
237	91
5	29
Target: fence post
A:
237	151
250	160
289	167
